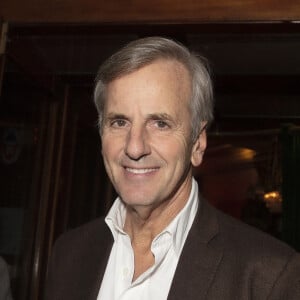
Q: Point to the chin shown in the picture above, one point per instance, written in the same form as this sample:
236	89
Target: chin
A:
137	199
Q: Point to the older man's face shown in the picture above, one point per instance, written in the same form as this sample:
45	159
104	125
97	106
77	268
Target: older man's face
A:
146	142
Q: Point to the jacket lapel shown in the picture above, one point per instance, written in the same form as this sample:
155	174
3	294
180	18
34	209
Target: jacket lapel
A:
200	257
96	262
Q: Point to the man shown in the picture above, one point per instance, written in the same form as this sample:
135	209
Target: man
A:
161	240
5	293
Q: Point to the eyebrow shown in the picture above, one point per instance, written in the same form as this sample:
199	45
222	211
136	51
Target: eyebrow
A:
153	116
159	116
112	116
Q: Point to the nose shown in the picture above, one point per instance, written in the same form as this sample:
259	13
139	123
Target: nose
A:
137	144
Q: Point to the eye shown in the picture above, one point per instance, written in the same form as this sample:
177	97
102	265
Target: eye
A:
118	123
162	124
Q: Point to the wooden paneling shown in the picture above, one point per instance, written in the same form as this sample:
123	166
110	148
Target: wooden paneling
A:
3	31
183	11
27	58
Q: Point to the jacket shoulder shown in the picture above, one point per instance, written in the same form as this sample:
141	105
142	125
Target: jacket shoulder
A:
91	232
245	237
260	266
78	262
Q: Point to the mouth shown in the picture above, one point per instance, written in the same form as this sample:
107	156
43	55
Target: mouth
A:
141	170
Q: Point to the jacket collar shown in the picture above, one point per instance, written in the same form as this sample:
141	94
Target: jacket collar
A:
197	264
101	251
200	257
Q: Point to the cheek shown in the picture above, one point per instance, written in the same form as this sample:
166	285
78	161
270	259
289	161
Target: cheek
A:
103	149
109	144
175	151
107	150
112	151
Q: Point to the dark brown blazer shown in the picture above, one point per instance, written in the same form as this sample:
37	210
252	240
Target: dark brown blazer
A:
221	259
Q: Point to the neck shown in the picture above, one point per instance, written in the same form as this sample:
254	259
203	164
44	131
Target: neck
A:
144	224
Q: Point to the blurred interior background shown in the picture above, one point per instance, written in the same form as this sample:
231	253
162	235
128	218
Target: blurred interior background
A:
52	175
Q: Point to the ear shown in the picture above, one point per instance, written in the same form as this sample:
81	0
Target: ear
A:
199	147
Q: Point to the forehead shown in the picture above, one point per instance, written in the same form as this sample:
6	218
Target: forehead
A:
163	81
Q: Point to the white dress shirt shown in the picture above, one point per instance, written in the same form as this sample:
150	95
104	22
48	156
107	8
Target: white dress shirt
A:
154	283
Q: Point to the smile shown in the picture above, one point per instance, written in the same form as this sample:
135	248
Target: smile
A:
140	171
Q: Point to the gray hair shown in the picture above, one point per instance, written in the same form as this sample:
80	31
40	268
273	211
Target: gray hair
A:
142	52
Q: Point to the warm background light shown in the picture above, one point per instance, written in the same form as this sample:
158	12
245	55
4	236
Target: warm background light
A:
273	201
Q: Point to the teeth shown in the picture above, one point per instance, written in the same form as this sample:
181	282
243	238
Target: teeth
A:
140	171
